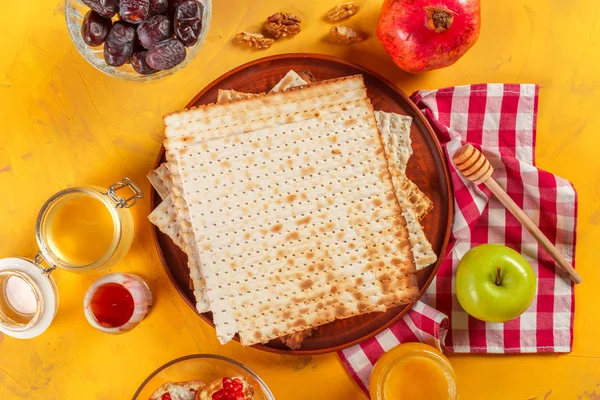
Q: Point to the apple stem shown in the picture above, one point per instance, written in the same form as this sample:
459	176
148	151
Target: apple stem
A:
498	276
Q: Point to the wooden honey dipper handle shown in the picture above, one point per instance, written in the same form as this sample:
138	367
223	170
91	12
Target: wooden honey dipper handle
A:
476	167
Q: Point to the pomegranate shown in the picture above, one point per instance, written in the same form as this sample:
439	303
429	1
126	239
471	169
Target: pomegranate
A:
421	35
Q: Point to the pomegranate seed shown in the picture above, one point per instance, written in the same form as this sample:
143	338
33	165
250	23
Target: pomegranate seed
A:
218	395
165	396
232	389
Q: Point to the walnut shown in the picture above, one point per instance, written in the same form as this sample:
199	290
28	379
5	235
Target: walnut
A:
342	11
255	40
282	25
344	35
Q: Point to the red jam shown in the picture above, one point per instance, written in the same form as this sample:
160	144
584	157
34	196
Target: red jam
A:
112	305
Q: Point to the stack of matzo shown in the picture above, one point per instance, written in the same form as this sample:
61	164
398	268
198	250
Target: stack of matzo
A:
292	209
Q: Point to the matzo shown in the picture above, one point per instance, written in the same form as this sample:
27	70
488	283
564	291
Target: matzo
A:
290	80
363	258
394	129
164	216
161	180
395	132
176	226
229	118
231	95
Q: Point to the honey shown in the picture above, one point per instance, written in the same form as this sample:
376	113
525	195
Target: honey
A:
413	371
416	378
80	229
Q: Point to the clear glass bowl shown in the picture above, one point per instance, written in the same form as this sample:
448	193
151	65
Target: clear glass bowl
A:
203	367
75	10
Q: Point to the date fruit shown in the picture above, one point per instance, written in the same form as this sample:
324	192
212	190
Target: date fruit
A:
139	64
119	44
166	54
188	21
153	30
94	28
105	8
134	11
158	7
173	4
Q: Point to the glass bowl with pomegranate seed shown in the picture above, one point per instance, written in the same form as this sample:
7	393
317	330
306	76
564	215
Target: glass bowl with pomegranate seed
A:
205	377
138	40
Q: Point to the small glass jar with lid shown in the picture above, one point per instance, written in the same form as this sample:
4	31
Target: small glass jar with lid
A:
81	229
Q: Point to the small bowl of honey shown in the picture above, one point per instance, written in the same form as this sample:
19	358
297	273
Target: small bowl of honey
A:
413	371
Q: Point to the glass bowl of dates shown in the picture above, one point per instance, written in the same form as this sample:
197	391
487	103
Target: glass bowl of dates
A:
138	40
203	377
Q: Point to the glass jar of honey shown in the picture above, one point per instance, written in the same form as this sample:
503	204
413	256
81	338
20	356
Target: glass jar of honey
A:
413	371
81	229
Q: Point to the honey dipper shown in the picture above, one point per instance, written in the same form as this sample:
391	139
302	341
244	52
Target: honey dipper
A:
476	168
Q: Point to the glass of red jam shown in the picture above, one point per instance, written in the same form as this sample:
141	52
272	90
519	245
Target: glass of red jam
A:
117	303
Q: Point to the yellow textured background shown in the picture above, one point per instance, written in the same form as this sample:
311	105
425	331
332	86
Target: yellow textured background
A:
62	123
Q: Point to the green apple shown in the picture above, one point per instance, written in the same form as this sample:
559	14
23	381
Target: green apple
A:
494	283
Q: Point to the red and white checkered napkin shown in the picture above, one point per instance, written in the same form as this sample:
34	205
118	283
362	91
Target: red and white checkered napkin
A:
501	121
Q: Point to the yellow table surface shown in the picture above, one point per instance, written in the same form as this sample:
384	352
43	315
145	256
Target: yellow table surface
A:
63	123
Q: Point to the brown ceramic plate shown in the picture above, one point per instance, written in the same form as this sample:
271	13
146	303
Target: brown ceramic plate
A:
427	168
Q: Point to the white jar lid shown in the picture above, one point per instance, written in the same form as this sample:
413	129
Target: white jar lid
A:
44	286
